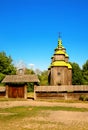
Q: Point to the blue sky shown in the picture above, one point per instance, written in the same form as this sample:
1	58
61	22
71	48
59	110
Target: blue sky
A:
29	30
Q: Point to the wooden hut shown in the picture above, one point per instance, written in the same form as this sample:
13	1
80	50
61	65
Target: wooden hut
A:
16	85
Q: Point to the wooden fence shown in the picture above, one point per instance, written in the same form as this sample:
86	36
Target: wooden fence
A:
2	91
67	88
60	92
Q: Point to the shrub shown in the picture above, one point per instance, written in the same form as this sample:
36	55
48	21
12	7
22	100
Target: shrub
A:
83	98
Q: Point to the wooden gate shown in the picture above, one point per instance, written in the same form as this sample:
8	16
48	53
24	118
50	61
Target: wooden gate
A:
16	91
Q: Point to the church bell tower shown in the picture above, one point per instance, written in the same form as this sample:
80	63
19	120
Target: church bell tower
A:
60	70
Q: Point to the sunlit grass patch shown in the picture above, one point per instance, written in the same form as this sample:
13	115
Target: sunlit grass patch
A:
33	117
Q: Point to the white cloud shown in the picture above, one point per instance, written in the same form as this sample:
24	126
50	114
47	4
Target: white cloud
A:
31	65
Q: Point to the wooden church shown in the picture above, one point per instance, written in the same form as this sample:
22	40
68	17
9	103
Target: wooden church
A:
60	70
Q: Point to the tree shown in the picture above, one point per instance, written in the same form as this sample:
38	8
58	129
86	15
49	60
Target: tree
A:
38	72
77	77
6	66
85	72
30	87
43	78
29	71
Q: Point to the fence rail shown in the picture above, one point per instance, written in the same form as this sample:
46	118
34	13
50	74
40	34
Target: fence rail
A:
61	88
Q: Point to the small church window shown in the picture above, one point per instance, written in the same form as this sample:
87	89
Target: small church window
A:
58	73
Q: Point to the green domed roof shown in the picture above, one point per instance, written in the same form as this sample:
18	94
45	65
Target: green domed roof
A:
66	55
59	42
49	67
52	57
60	52
63	47
59	63
69	66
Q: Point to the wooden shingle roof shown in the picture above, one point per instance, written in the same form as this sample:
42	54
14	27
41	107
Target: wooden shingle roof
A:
20	78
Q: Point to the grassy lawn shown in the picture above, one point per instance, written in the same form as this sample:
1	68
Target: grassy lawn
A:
38	118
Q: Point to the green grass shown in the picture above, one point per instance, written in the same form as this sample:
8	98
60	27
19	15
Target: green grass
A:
62	101
26	118
2	99
62	108
23	111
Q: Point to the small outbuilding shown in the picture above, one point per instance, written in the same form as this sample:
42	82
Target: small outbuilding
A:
16	85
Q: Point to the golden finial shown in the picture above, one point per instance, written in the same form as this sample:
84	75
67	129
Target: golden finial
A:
59	40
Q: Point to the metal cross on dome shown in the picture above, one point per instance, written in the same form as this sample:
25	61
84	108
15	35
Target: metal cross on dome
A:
59	35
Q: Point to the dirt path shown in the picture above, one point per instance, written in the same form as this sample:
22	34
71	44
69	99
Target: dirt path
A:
30	102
